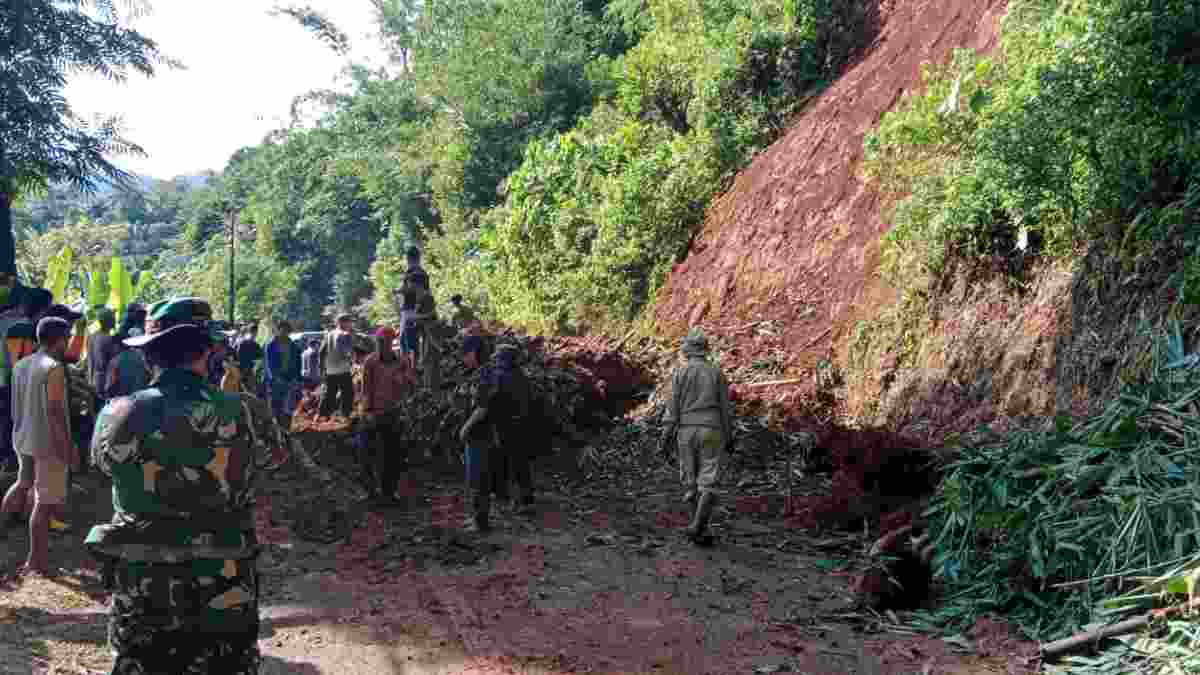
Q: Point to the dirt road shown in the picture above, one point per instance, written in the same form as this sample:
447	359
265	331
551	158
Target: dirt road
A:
597	580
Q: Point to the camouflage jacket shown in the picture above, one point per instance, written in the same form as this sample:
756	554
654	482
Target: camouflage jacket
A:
181	456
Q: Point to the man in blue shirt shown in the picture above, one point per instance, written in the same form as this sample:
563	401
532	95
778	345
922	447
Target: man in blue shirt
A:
283	374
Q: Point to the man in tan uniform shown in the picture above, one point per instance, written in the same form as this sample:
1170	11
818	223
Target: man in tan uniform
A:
699	418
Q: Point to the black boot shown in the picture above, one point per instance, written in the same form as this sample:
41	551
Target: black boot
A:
481	510
698	530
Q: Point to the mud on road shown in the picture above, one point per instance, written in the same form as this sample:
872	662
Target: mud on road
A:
597	580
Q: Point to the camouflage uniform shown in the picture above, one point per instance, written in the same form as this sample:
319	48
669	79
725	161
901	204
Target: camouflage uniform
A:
180	550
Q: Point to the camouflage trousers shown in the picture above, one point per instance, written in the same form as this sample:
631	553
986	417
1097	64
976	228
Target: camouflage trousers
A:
197	618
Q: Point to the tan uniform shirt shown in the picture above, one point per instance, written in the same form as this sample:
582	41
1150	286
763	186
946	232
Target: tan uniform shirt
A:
700	397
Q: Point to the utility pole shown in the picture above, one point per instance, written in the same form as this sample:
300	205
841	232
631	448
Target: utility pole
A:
231	222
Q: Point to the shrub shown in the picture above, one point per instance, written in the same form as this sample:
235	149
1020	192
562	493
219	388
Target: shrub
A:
1089	115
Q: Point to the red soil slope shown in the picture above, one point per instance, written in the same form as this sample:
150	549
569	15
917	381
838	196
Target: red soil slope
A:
795	241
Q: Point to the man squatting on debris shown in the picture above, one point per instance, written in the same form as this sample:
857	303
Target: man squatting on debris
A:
698	419
179	553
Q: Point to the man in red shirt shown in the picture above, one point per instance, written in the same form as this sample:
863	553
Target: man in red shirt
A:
386	380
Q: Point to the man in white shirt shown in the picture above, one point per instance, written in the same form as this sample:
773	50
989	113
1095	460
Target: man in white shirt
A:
42	436
310	364
337	357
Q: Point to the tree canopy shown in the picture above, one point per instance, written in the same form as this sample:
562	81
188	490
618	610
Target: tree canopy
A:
42	141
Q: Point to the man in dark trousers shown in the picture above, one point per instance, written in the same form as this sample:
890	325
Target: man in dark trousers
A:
493	435
337	359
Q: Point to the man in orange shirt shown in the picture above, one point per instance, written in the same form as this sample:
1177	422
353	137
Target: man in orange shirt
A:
386	380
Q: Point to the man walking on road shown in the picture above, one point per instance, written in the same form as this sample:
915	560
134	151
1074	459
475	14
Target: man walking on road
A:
42	437
180	550
337	355
699	419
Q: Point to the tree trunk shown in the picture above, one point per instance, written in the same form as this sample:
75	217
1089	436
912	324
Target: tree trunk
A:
8	246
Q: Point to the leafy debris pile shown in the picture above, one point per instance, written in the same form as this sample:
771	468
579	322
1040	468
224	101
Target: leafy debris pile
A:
575	389
1043	524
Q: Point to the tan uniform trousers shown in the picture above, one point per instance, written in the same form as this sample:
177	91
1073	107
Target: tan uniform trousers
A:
701	453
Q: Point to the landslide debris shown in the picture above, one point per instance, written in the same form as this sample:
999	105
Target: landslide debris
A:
795	239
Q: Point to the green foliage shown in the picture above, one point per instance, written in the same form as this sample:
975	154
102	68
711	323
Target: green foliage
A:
44	142
1111	497
594	217
1089	116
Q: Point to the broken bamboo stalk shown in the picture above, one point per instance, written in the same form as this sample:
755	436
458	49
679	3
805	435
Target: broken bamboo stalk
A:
1090	637
772	383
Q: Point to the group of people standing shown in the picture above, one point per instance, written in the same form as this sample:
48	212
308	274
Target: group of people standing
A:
178	439
44	420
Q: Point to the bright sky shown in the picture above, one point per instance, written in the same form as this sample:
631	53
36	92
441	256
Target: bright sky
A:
243	69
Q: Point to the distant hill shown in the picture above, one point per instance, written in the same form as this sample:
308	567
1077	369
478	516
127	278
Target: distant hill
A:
146	183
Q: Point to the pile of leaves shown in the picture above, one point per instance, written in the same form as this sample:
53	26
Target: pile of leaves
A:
1043	524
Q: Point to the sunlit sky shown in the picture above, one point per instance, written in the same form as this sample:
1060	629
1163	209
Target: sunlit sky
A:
243	69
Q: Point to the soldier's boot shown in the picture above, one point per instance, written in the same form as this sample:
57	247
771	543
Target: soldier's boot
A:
481	508
697	531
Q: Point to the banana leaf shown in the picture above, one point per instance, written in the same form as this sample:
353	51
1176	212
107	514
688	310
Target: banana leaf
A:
143	279
58	272
97	294
120	288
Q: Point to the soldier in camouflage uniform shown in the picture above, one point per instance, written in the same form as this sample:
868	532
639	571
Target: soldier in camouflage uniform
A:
699	420
180	551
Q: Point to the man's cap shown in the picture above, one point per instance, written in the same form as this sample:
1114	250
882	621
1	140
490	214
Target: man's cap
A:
51	328
37	298
695	342
178	322
62	312
16	296
138	309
